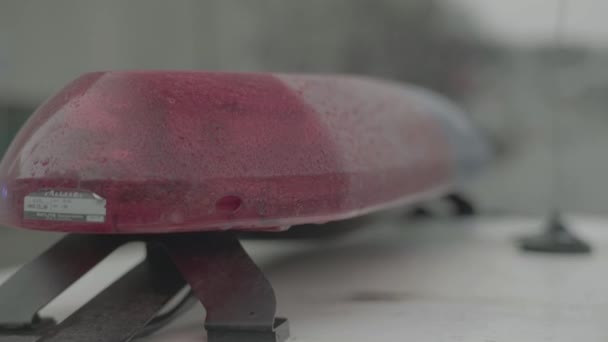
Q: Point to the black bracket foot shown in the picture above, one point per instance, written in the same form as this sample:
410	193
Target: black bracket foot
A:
239	301
279	333
459	206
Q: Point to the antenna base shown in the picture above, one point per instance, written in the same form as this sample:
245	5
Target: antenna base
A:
556	239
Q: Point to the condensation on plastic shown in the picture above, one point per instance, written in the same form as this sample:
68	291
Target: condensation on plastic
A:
189	151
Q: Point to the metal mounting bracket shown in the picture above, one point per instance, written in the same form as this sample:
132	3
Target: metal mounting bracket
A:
239	300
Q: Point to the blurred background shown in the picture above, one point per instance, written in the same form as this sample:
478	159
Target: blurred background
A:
509	63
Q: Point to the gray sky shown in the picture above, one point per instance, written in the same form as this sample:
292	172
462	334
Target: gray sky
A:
531	21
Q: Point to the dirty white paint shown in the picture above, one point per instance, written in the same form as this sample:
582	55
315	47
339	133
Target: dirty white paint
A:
441	281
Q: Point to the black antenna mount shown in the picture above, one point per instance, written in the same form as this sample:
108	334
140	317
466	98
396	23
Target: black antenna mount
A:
557	237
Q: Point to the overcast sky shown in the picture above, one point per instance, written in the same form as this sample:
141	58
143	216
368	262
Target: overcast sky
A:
528	21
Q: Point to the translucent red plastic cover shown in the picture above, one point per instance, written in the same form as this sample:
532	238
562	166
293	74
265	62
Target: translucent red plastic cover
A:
152	152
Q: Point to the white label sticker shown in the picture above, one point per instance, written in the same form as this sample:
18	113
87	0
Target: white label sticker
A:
64	205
